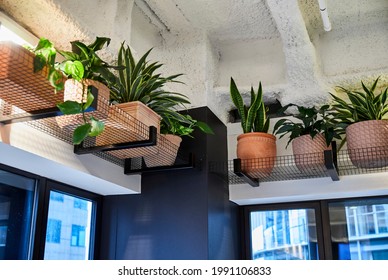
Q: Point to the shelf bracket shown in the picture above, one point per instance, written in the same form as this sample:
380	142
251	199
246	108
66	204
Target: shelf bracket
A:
151	141
331	165
46	112
144	169
254	182
31	116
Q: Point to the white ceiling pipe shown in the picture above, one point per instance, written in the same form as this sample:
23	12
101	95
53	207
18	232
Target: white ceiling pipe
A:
324	15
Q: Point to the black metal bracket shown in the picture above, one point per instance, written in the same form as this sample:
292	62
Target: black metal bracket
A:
31	116
254	182
330	157
128	170
151	141
46	112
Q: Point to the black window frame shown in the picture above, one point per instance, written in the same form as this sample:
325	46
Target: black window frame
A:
40	218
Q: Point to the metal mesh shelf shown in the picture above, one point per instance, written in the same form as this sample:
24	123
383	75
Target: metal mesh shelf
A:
290	167
126	137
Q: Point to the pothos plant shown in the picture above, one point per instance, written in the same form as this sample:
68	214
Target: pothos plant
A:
81	63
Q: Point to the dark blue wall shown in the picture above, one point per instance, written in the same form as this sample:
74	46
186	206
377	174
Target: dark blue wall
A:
181	214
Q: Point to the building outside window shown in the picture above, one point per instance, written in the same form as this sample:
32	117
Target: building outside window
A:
75	216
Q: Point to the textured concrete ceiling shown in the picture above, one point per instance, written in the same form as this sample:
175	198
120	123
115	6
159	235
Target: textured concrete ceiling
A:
279	42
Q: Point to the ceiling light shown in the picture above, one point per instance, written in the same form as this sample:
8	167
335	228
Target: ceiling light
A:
12	31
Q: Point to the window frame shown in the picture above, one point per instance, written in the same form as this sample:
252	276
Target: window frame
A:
246	234
96	199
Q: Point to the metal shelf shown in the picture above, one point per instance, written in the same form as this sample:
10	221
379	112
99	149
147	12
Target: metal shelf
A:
331	164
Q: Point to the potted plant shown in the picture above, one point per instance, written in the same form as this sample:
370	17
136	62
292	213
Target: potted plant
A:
140	92
310	134
79	69
255	146
172	129
362	120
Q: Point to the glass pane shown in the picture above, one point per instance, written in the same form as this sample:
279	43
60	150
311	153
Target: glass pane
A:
359	229
17	198
68	233
283	235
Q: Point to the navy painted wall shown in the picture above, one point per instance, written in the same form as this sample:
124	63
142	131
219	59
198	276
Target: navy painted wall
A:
181	214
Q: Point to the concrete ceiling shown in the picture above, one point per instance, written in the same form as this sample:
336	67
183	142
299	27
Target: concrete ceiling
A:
281	43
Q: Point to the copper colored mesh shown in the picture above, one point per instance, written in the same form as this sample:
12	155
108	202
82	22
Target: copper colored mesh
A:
19	85
167	150
73	92
128	123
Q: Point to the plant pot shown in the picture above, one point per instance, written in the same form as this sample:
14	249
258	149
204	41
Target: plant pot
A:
19	85
168	147
257	152
367	143
309	153
73	92
129	122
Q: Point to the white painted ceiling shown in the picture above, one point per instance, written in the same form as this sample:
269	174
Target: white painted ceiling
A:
281	43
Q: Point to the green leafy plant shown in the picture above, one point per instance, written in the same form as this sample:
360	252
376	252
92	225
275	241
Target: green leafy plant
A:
311	121
253	117
360	106
179	128
79	64
140	81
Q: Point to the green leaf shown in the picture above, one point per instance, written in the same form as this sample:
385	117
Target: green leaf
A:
89	101
56	80
238	102
97	127
70	107
81	132
74	69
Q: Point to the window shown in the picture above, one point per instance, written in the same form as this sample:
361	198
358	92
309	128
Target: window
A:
53	231
55	196
359	229
282	234
17	206
341	229
78	235
70	226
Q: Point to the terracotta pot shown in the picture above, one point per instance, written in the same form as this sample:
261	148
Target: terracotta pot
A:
129	122
367	143
257	152
168	147
309	153
73	92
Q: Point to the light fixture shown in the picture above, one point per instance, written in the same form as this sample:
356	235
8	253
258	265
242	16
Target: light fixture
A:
324	15
10	30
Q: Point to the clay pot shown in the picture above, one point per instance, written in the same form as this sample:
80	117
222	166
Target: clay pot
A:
73	92
257	152
168	146
367	143
309	153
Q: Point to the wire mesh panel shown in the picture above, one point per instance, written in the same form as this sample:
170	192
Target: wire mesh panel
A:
19	85
362	161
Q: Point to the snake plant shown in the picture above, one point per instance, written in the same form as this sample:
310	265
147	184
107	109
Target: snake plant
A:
254	117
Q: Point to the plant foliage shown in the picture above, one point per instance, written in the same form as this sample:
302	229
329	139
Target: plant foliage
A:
311	121
361	106
253	117
79	64
140	81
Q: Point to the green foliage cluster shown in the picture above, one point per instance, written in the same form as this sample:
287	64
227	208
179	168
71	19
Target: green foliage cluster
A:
311	121
253	117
